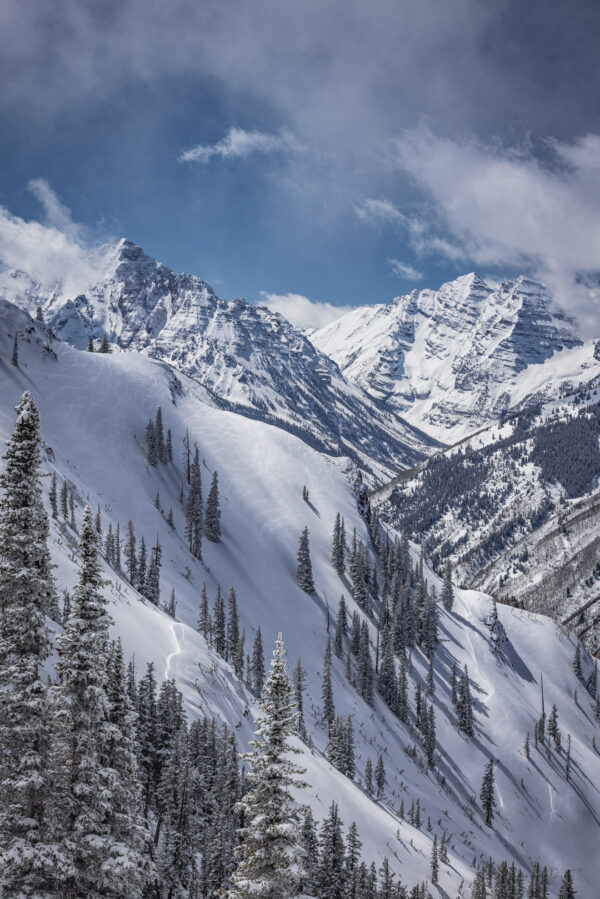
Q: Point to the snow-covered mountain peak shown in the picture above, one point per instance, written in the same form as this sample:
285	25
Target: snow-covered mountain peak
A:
252	359
448	359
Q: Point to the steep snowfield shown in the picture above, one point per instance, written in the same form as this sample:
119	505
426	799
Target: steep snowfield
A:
253	360
451	360
94	409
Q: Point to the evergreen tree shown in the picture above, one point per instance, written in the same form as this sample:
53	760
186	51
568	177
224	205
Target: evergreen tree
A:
219	623
117	548
479	888
26	590
577	662
15	351
352	861
204	622
341	628
327	689
435	861
338	549
258	664
233	627
159	436
53	496
568	759
307	881
193	509
447	589
380	776
83	792
72	523
212	521
331	874
298	683
64	500
130	555
104	344
90	344
365	665
567	890
304	575
270	839
169	446
464	705
39	314
369	777
151	446
488	799
152	585
141	566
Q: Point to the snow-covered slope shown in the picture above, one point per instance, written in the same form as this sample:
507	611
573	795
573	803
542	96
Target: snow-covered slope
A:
253	360
94	409
451	360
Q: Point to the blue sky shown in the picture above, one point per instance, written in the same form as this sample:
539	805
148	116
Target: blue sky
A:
343	152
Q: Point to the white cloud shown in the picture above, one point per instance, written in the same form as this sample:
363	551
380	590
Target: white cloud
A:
502	207
238	144
302	312
56	253
380	212
405	270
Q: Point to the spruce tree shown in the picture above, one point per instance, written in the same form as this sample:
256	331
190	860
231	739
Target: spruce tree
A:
488	799
298	683
435	861
369	777
219	623
53	496
304	575
64	500
204	622
15	351
193	509
380	776
577	662
104	344
327	689
212	520
152	584
258	664
331	874
83	791
447	589
270	837
567	890
161	449
233	627
341	628
26	591
90	344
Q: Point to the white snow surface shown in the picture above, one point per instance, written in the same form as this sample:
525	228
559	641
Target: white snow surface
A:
450	361
93	411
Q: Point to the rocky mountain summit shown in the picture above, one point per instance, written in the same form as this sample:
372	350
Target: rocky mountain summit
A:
252	360
454	359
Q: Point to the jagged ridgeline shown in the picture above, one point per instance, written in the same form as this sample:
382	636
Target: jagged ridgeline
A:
451	731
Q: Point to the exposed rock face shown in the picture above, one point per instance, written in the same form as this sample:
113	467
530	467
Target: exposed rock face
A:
250	358
448	359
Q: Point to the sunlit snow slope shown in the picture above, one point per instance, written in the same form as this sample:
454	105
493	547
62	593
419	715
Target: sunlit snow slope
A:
94	409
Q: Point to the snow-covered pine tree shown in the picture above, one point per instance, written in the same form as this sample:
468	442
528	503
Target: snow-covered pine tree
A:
567	889
204	622
304	574
464	705
14	358
233	626
577	662
104	344
152	585
159	436
83	793
169	446
270	839
64	500
127	864
380	776
151	447
298	682
26	591
258	664
435	861
369	777
147	736
90	344
219	624
478	887
327	689
212	519
117	548
53	496
193	509
130	554
72	522
486	795
341	628
140	568
331	877
365	676
447	596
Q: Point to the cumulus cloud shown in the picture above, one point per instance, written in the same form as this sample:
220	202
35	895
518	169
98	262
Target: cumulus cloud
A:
237	144
55	254
302	312
405	270
504	207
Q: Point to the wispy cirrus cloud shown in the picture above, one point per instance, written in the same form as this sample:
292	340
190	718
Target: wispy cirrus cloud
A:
380	211
302	312
238	144
405	270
